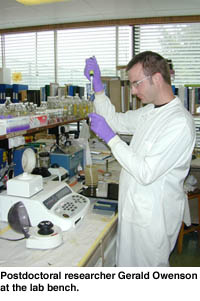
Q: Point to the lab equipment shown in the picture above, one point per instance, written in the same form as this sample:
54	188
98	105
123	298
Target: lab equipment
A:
44	236
105	207
25	185
107	173
69	158
44	158
58	173
24	159
57	202
104	190
91	81
18	219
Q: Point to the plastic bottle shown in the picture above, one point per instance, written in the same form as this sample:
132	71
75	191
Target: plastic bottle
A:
70	105
81	108
76	103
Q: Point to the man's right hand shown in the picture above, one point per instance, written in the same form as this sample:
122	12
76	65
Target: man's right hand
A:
92	65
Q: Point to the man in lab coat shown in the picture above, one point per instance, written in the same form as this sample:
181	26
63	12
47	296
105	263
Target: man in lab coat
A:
154	165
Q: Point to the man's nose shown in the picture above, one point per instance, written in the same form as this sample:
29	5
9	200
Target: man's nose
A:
134	90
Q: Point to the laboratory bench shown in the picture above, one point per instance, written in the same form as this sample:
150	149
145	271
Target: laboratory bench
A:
91	243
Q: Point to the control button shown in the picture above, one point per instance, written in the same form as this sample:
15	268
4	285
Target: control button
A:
65	215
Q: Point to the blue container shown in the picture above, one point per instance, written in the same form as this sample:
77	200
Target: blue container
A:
69	161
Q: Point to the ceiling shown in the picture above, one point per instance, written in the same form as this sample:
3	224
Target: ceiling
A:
14	14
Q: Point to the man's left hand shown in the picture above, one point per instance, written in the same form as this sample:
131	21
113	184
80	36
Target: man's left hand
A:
100	127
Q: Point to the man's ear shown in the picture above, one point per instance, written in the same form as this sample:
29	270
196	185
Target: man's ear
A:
157	78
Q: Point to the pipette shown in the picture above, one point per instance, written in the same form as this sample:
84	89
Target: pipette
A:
91	81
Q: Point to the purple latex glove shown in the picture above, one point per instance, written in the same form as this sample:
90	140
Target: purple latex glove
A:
100	127
92	67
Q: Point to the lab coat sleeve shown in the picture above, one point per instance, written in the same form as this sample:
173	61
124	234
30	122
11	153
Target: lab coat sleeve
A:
172	148
119	122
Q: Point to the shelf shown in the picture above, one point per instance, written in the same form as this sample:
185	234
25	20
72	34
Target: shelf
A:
39	129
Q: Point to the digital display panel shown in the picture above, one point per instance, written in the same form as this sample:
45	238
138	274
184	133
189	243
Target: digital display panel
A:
53	199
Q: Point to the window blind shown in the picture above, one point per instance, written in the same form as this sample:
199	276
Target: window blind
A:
31	54
45	59
75	45
178	42
49	56
1	50
125	45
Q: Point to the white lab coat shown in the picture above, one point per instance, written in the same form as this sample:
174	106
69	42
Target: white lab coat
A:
154	166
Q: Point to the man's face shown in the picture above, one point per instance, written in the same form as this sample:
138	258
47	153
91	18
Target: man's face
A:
141	85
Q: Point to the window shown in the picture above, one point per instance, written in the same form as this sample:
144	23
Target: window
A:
32	54
45	59
75	45
125	45
178	42
1	50
59	56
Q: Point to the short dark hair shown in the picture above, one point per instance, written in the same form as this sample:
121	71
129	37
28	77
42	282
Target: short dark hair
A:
152	63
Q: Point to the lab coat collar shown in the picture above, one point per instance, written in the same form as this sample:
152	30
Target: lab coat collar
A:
151	109
171	103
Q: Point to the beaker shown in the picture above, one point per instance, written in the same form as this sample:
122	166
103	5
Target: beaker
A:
91	175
